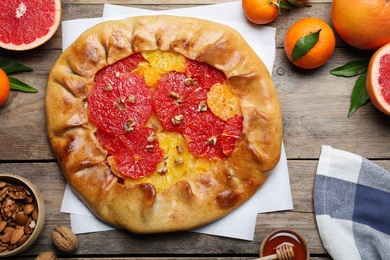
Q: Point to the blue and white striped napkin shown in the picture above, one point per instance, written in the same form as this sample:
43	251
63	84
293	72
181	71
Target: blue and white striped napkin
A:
352	206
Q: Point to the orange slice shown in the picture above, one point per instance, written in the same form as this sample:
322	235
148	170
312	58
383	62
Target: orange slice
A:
222	102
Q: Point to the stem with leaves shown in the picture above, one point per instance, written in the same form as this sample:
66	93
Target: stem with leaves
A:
359	96
12	66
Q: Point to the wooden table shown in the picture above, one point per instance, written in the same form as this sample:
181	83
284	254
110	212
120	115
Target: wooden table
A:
314	104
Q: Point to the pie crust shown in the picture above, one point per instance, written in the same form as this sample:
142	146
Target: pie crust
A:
198	199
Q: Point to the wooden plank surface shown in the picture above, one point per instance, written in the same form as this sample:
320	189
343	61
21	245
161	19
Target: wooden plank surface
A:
314	104
49	180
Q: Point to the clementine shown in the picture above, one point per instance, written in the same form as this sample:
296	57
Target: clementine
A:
260	11
364	24
323	49
378	79
4	87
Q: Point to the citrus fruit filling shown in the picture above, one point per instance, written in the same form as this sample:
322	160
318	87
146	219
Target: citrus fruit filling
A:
162	117
384	77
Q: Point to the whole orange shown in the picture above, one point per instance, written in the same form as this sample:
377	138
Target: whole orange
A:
364	24
4	87
260	11
321	52
378	79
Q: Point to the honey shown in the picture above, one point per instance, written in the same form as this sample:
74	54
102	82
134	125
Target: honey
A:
285	237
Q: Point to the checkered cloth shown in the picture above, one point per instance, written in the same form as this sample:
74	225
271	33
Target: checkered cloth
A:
352	206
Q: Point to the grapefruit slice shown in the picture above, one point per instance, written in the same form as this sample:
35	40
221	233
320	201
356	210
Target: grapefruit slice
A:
203	136
176	102
378	79
120	100
231	132
205	74
26	24
134	154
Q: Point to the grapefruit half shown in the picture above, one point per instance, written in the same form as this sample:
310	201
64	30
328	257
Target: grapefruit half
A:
378	79
26	24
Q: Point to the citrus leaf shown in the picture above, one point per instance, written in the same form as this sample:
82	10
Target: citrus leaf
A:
21	86
359	95
285	5
304	45
351	68
10	66
295	3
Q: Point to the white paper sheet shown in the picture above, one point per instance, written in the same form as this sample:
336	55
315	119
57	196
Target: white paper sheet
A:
274	195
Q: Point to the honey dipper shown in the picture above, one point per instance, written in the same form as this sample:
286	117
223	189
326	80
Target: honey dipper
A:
285	252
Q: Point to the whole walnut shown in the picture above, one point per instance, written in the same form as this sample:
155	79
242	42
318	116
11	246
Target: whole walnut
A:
47	256
64	239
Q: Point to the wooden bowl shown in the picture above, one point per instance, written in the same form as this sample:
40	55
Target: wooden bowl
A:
281	237
33	225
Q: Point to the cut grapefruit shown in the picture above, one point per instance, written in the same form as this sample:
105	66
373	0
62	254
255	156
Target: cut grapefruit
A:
231	132
134	154
26	24
204	74
378	79
176	102
120	100
203	136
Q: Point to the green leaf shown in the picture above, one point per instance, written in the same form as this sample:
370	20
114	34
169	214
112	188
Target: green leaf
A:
304	45
295	3
359	95
12	66
21	86
285	5
351	68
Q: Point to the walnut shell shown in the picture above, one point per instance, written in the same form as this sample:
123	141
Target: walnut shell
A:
64	239
47	256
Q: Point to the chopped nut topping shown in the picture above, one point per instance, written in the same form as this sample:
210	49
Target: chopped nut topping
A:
162	171
174	95
177	119
108	87
202	107
152	137
178	161
178	99
150	147
180	149
131	99
212	140
120	103
190	81
117	74
129	125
